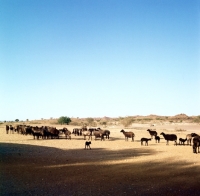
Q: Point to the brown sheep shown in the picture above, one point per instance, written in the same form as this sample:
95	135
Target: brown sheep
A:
98	134
67	133
128	135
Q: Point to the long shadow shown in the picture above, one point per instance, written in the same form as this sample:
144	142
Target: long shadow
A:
38	170
118	139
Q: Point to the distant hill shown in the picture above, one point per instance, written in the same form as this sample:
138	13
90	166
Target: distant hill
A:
152	118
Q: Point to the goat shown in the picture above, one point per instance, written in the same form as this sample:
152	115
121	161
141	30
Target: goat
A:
87	145
77	131
92	129
182	141
128	135
7	129
11	129
36	132
152	133
170	137
87	133
67	133
196	144
28	130
98	134
104	133
54	133
189	138
157	138
145	140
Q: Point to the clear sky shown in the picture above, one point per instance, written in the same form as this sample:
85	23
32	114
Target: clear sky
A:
86	58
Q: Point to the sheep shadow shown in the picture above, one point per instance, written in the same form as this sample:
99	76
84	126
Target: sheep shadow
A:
113	139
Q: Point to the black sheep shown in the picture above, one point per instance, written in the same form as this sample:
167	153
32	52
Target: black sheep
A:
87	145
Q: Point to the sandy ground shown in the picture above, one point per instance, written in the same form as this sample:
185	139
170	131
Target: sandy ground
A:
114	167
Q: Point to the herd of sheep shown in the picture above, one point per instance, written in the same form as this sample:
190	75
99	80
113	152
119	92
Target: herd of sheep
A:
46	132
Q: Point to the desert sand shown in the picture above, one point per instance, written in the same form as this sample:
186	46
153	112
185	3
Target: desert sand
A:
111	167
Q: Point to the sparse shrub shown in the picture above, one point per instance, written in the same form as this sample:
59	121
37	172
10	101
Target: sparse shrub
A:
127	121
180	130
197	119
94	124
64	120
90	121
103	123
146	119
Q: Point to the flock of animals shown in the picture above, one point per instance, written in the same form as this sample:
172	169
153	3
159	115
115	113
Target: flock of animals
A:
46	132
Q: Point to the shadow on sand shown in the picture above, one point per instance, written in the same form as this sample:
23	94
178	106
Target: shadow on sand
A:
38	170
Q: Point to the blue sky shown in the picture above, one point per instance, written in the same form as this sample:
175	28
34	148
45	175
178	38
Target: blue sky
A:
85	58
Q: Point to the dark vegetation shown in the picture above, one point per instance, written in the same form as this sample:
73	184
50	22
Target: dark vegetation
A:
64	120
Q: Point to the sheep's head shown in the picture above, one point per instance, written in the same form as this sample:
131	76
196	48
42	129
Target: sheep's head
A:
193	134
122	130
